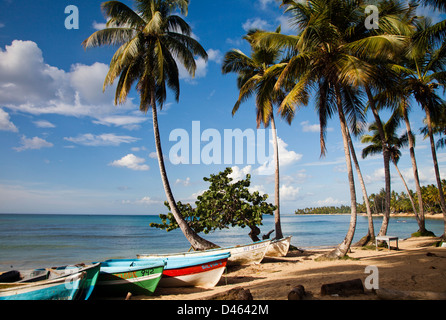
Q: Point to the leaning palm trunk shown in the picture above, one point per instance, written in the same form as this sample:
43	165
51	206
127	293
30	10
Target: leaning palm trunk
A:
386	156
371	230
437	171
420	217
195	240
342	249
408	192
278	227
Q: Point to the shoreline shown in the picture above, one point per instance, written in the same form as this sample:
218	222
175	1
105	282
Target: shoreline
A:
435	216
415	266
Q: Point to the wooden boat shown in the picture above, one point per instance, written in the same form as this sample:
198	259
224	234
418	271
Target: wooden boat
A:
59	288
91	276
120	276
278	247
193	271
252	253
38	280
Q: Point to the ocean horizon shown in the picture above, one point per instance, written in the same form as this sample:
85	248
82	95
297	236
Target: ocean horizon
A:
45	240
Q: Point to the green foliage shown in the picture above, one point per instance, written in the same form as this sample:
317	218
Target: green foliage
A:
225	204
324	210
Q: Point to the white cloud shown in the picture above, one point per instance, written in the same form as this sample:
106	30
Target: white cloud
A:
33	143
183	182
147	201
215	55
329	202
259	188
5	122
153	155
88	81
127	122
286	157
132	162
255	23
265	3
377	175
44	124
288	193
28	84
99	25
307	127
106	139
201	66
239	174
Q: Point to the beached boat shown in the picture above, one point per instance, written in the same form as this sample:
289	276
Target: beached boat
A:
59	288
252	253
39	279
193	271
91	276
278	247
120	276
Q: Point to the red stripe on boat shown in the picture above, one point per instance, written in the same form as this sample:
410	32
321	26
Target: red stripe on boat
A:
195	269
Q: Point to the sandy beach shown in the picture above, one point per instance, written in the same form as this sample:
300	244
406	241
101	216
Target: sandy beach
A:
415	266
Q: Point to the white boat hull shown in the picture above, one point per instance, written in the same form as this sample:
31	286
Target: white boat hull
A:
207	279
245	254
279	247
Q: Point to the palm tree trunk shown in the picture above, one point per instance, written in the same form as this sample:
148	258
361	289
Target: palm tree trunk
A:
386	156
195	240
420	218
278	226
342	249
408	192
371	230
437	171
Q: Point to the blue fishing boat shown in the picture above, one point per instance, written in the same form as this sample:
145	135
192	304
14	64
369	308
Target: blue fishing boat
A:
61	288
91	277
56	283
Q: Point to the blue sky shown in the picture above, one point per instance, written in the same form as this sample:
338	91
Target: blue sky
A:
65	148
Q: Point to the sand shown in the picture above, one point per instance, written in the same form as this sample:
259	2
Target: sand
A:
415	266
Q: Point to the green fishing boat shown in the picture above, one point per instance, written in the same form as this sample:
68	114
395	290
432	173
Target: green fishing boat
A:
118	278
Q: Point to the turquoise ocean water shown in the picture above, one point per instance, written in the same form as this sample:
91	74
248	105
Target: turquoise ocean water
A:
44	240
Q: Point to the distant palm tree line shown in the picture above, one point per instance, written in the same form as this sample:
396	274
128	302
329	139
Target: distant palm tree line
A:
399	203
332	56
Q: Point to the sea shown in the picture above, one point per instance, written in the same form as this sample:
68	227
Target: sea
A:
30	241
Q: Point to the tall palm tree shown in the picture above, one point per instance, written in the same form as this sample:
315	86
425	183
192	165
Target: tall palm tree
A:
150	38
256	77
395	143
426	73
395	20
398	96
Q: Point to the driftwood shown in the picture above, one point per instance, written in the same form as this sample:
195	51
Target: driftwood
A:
344	288
297	293
233	294
390	294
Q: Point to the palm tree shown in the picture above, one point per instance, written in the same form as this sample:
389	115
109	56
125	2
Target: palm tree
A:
426	73
150	39
394	144
254	77
395	20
